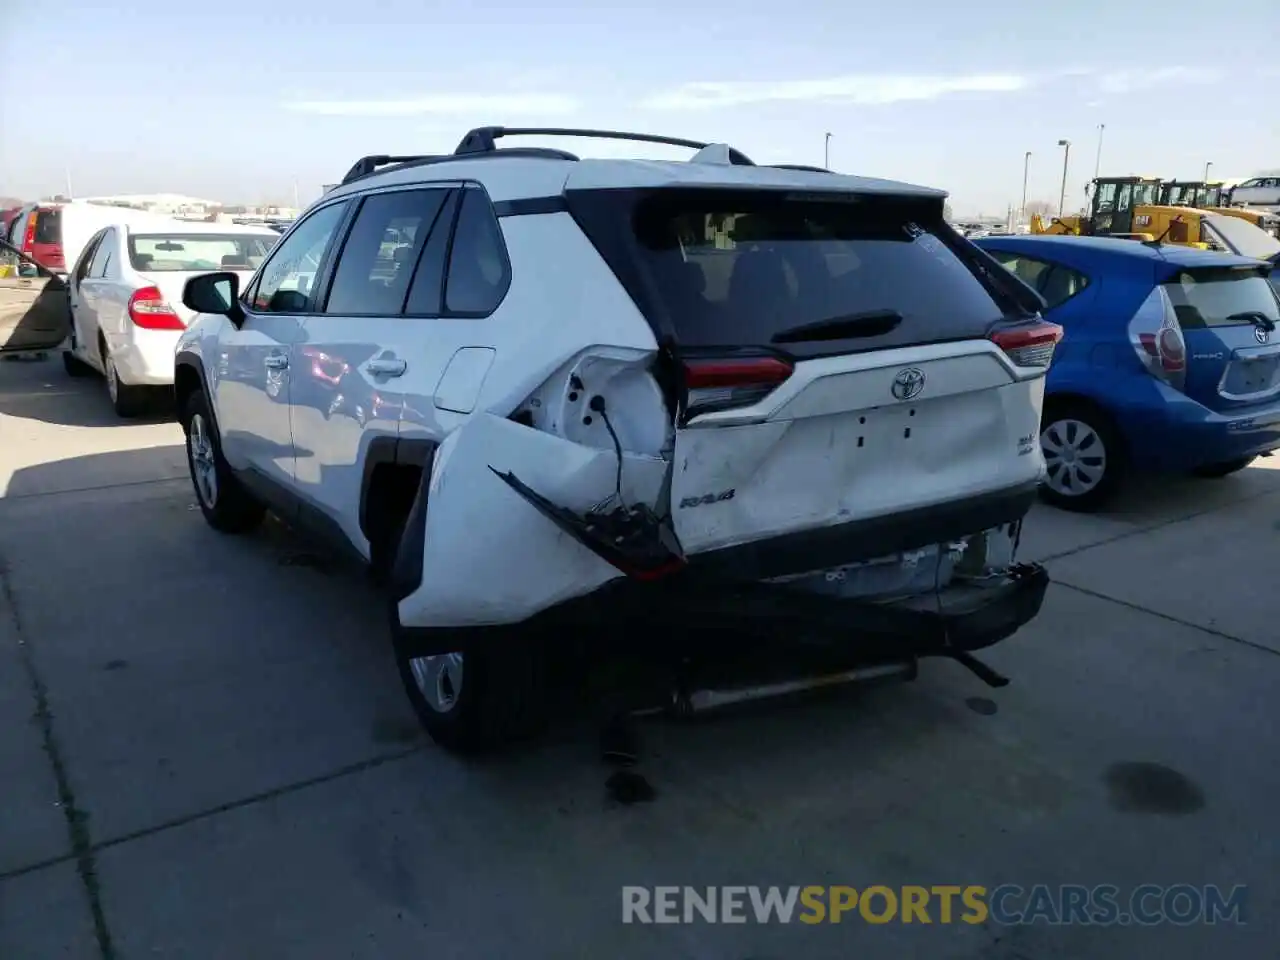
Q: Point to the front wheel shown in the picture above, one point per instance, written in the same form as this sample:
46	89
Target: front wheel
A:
226	505
1215	471
1083	457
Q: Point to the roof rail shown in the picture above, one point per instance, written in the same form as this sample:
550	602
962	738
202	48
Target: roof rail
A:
367	165
481	139
800	166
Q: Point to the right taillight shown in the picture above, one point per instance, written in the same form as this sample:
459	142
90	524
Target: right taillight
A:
1157	338
725	383
1029	345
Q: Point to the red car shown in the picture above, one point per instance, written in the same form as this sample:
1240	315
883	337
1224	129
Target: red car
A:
36	230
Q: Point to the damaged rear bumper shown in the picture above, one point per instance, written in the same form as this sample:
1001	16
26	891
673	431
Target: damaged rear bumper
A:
678	611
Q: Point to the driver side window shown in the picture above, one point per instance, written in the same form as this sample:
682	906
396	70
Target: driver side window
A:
288	278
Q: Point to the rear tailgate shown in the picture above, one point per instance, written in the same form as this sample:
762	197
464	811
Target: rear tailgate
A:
1229	317
833	353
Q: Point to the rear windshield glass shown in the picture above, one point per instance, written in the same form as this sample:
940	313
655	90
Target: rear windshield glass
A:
48	226
1245	238
1221	297
186	253
738	268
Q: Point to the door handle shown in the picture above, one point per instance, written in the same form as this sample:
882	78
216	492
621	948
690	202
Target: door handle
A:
386	367
277	361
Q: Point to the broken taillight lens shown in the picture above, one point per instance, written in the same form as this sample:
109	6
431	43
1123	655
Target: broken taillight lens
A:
1157	338
726	383
1030	345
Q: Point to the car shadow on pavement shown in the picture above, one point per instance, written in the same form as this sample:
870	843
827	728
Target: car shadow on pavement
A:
42	390
96	471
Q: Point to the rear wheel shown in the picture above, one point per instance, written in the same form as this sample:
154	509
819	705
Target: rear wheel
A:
1084	457
478	700
226	505
1215	471
128	401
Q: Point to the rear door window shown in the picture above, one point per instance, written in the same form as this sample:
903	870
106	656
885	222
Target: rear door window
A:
750	267
378	258
1222	297
102	256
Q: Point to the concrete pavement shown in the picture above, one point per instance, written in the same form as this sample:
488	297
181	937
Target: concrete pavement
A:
207	753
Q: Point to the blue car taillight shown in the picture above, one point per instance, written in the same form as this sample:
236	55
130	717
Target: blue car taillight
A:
1157	338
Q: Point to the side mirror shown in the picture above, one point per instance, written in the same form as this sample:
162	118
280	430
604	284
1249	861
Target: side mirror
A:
217	293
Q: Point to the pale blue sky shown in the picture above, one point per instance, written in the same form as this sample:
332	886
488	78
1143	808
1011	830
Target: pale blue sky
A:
238	100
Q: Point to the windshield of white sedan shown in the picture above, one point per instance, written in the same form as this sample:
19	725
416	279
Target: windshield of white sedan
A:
187	253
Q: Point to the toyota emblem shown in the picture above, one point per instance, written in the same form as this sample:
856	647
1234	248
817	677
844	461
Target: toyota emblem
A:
1259	334
908	383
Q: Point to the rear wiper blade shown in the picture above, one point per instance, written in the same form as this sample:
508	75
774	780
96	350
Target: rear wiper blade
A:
1256	317
870	323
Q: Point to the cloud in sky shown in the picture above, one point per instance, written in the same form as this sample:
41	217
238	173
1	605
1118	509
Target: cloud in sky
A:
867	89
444	104
1127	81
879	89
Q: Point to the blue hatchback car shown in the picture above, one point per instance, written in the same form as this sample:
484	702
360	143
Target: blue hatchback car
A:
1170	360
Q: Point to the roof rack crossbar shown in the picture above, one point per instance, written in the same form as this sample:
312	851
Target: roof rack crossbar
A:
367	165
482	139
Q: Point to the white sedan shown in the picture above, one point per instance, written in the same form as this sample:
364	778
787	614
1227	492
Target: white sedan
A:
125	292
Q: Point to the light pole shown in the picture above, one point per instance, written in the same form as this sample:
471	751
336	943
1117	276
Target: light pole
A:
1066	156
1097	163
1206	170
826	151
1026	168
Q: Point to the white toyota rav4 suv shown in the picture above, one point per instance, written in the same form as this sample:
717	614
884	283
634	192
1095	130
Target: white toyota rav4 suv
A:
534	390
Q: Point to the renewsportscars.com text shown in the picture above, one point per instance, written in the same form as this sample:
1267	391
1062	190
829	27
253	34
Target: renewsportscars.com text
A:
1008	905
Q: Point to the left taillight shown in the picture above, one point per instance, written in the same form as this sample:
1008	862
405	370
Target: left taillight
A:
1029	345
149	310
725	383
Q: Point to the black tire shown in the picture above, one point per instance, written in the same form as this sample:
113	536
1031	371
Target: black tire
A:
1216	471
74	366
228	507
501	699
128	401
1071	422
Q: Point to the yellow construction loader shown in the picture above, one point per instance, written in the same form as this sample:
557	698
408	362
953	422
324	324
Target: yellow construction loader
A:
1211	195
1129	208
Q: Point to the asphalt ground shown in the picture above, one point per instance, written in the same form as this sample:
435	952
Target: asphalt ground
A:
206	751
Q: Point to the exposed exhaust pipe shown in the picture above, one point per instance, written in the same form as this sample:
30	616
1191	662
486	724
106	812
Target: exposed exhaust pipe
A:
688	703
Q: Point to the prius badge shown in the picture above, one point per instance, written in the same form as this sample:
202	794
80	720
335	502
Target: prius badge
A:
908	383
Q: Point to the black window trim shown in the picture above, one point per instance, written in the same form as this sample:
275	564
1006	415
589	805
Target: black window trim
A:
321	289
1051	264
